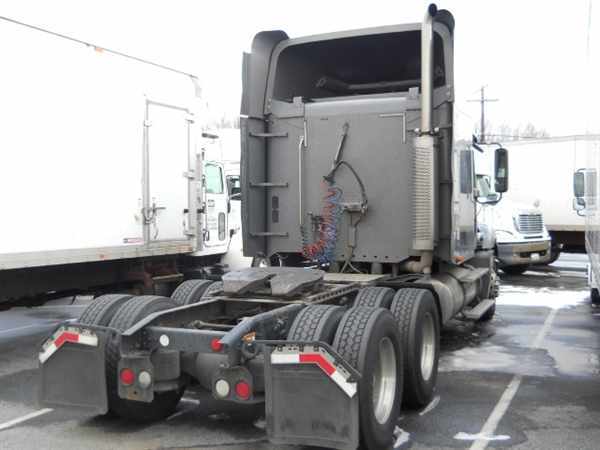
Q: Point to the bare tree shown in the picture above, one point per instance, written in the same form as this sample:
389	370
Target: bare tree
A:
506	132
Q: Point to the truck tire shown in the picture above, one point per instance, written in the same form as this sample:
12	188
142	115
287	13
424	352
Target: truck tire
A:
554	254
215	287
374	297
369	339
417	316
190	291
595	296
164	403
102	309
316	323
515	270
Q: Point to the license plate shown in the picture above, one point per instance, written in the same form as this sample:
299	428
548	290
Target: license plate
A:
535	256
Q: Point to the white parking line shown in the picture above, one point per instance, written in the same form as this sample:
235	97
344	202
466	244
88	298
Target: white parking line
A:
490	425
26	417
25	327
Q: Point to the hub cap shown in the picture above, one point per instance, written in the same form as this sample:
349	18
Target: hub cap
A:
428	344
384	381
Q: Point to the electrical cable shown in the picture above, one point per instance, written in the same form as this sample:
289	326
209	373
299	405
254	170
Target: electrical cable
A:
97	47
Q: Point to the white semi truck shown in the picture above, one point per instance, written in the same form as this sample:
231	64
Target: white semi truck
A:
515	231
556	160
104	180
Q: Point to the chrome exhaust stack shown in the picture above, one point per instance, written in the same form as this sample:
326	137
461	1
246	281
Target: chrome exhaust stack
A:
424	159
427	70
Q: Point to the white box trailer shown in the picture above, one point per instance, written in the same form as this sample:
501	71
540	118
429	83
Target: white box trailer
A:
100	161
541	175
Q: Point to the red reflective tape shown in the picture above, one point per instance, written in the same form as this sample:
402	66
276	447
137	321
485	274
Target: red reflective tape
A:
318	359
66	337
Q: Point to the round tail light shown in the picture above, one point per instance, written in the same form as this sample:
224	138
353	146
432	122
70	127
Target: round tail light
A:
216	345
127	377
242	390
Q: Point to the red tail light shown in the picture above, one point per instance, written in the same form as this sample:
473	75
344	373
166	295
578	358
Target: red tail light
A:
127	377
242	389
216	345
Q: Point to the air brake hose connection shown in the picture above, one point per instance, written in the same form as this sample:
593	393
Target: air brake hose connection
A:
323	250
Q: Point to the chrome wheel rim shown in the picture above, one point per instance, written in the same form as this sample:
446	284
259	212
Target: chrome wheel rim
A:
384	381
428	344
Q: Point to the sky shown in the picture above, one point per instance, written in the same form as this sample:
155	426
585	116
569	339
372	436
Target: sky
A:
531	54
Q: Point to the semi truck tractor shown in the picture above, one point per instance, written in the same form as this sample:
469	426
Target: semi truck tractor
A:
360	213
107	180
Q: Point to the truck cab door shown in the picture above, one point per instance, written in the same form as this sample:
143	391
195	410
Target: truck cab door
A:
464	216
216	204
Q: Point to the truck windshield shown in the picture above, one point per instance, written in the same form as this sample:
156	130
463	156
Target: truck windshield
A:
213	179
367	64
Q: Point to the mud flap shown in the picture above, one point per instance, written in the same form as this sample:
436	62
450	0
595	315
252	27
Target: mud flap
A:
72	368
311	396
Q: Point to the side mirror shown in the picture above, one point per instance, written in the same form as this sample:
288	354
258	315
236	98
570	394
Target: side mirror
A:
501	170
579	185
236	196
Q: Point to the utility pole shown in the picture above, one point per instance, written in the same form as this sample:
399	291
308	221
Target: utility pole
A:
482	101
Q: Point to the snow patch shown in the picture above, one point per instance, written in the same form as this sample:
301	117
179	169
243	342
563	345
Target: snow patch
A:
431	406
480	437
401	437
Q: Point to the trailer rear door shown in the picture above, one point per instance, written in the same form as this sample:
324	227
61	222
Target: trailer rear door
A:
166	186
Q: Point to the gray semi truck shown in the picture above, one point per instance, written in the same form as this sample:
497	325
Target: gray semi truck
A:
359	212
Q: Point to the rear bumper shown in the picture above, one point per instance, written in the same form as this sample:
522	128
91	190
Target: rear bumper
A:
524	253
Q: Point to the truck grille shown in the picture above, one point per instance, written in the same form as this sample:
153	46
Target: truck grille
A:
530	223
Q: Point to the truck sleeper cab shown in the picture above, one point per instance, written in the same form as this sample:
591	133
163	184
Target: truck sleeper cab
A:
349	184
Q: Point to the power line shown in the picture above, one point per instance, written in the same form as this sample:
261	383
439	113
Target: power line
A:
98	47
483	101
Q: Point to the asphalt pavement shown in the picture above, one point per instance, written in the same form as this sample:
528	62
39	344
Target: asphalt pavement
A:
530	379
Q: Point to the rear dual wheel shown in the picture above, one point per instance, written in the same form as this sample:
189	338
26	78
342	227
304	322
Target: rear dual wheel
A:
417	316
374	297
164	403
102	309
369	339
191	291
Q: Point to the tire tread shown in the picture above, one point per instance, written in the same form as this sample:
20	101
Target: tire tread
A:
190	291
311	321
101	310
374	297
